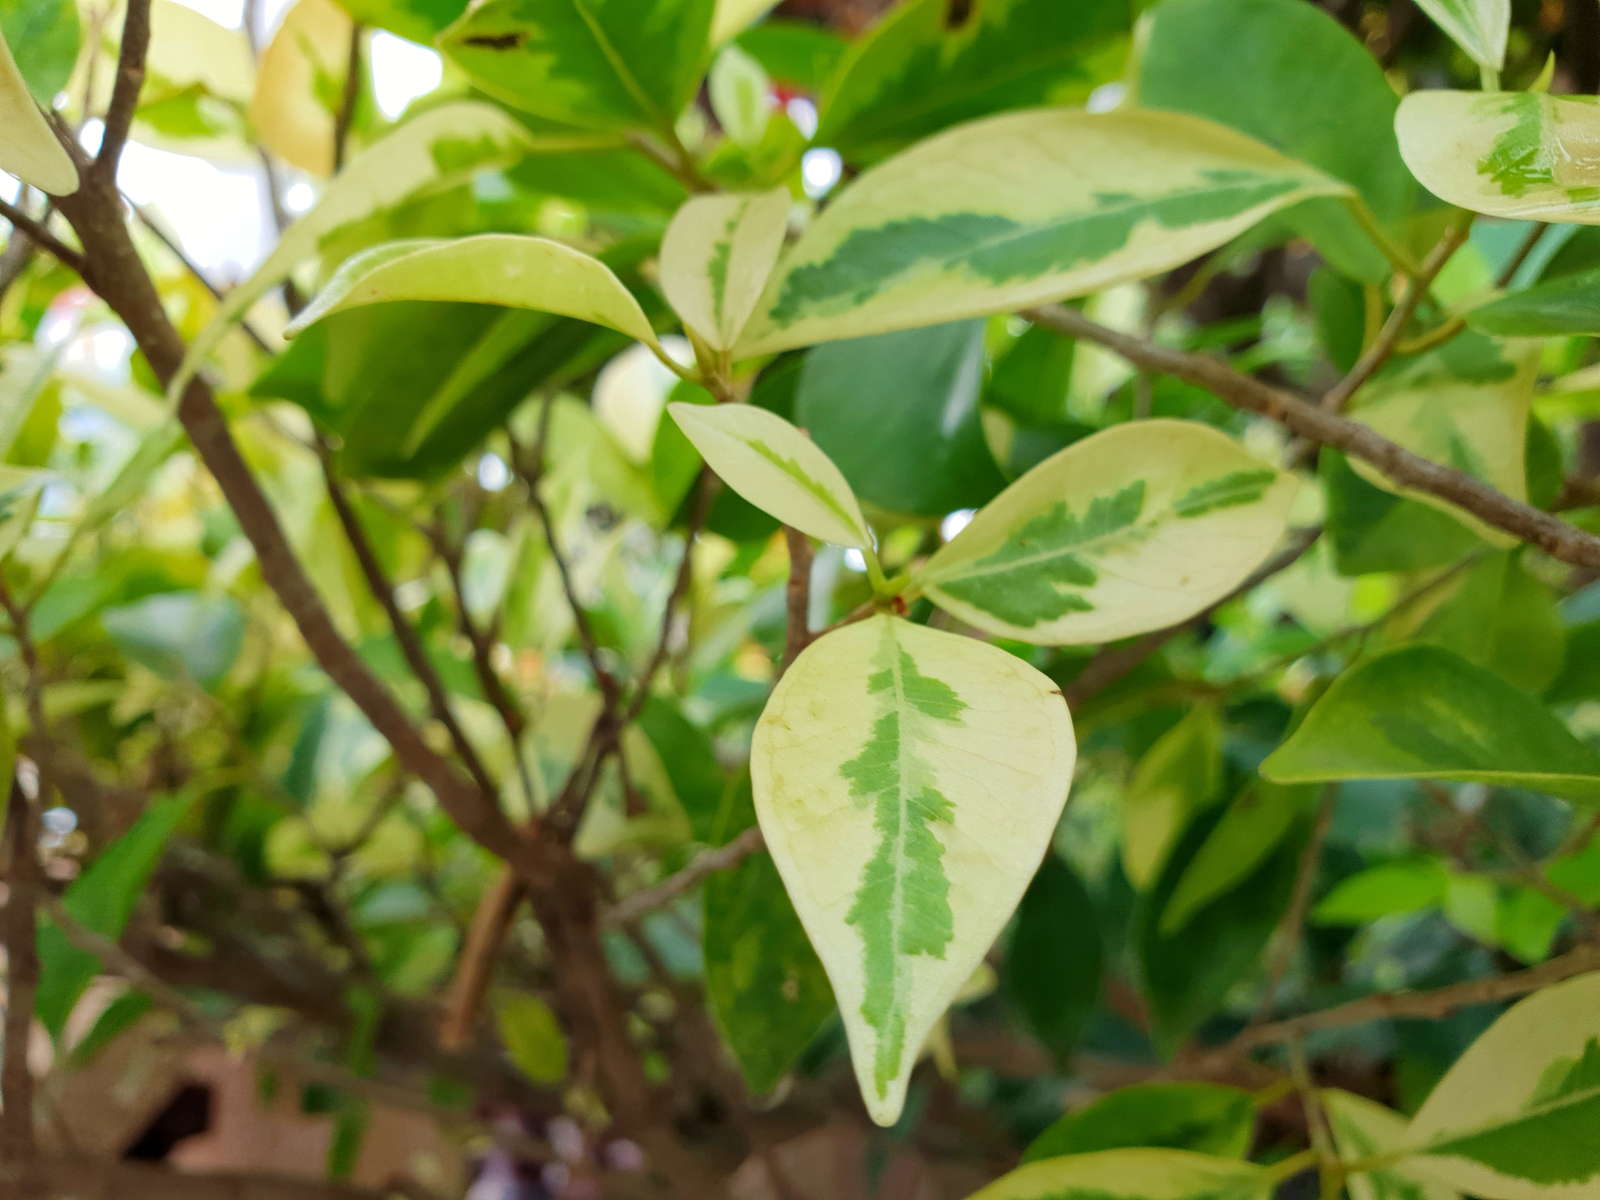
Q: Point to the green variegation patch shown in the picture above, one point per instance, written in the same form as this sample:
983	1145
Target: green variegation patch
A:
907	781
716	257
29	148
1515	1117
492	268
1132	529
1509	154
777	468
1479	427
1017	209
1143	1174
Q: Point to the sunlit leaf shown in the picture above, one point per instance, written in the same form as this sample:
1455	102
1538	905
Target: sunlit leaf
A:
1508	154
777	468
300	82
716	257
1016	209
1132	529
907	781
29	148
1421	712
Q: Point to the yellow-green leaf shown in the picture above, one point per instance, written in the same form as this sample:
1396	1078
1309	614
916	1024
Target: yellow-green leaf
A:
1132	529
1478	26
716	257
1018	209
1476	426
732	16
1508	154
1177	777
907	781
532	1036
491	268
1130	1175
1514	1118
301	71
29	148
777	468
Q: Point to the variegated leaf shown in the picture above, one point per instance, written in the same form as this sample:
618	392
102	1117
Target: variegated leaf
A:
716	257
1131	1175
490	268
1017	209
1478	426
29	148
1363	1128
907	781
777	468
1508	154
1515	1117
436	149
289	110
1478	26
1132	529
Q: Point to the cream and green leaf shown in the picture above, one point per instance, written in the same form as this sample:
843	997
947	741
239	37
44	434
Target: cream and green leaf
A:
1515	1117
1363	1129
490	268
1017	209
29	148
1478	26
1479	427
716	257
1140	1174
1508	154
907	781
777	468
1131	529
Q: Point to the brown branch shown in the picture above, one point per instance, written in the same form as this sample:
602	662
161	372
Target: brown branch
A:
411	648
82	1175
708	862
1555	537
36	233
1389	336
348	97
113	270
1294	918
125	91
490	923
797	595
1389	1006
22	979
1113	663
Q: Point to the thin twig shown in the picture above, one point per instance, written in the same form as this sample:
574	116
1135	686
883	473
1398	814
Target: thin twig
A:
708	862
1294	918
22	977
349	97
36	233
1555	537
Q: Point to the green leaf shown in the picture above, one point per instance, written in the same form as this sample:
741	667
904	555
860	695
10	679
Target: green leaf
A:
907	781
1135	528
1479	427
777	468
1338	118
1142	1174
1030	206
1251	828
28	146
532	1036
732	16
101	899
1052	966
867	402
1177	778
766	987
1478	26
1514	1118
916	72
1509	154
741	96
1362	1129
1201	1117
20	490
1385	890
434	150
1188	976
1557	307
1374	530
183	635
48	31
716	257
598	64
490	268
1421	712
420	20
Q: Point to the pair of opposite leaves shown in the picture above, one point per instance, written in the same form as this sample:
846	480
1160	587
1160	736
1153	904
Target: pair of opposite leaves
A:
908	780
